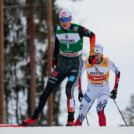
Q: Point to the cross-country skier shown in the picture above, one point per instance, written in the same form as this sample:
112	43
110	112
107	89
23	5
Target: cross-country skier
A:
69	43
98	86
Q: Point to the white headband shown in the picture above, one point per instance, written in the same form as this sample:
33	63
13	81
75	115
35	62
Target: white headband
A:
65	13
98	48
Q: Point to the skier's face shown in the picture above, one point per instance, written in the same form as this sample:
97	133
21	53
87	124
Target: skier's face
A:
65	23
98	57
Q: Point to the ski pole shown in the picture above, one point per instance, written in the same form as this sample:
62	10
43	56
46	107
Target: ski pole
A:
120	112
87	121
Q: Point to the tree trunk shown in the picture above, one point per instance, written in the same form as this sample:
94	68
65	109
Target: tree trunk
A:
32	61
49	24
1	63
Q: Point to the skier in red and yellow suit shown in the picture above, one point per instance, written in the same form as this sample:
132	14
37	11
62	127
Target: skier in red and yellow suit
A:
98	86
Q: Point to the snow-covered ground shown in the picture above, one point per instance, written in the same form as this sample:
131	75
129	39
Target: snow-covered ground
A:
68	130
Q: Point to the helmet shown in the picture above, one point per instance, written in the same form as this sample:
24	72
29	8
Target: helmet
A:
65	13
98	48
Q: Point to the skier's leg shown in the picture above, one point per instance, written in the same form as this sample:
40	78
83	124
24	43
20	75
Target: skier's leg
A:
87	102
55	78
73	76
102	118
72	81
101	103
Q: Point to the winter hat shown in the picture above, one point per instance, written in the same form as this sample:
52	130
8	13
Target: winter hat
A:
65	13
98	48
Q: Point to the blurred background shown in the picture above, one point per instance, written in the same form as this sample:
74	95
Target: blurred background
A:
26	58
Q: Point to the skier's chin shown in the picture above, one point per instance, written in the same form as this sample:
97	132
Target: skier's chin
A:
98	61
65	27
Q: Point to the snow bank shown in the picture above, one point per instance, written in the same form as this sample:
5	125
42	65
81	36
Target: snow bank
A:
68	130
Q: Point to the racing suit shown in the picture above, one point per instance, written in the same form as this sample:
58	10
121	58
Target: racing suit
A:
98	87
69	43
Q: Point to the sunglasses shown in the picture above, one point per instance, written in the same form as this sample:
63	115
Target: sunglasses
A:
64	19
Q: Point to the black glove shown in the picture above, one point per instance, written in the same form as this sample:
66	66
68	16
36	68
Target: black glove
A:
113	94
92	59
54	63
80	96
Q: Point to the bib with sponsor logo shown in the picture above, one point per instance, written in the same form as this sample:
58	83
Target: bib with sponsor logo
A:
70	43
96	78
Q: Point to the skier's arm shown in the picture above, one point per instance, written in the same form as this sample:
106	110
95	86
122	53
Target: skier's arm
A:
80	95
92	44
117	77
87	33
56	48
55	52
117	80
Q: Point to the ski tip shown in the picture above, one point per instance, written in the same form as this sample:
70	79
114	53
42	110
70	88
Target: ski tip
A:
10	125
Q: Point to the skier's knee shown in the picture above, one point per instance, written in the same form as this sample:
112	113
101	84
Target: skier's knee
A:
100	112
70	104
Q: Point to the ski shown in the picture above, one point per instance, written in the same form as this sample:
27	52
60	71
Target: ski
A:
10	125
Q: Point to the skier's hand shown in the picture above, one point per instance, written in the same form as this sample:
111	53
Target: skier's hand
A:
53	63
113	94
80	96
92	60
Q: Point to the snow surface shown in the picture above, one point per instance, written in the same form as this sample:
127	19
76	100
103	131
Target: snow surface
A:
68	130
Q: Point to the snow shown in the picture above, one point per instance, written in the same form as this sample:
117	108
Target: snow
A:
68	130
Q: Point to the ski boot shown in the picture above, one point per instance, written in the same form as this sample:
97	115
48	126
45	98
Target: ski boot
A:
29	122
70	121
78	123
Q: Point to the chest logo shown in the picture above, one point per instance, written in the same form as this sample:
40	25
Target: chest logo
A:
105	62
75	28
58	28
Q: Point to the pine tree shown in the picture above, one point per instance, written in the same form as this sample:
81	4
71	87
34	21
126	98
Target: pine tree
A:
129	112
17	58
17	61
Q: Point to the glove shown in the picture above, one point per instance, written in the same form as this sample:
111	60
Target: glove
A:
80	96
54	63
92	60
113	94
